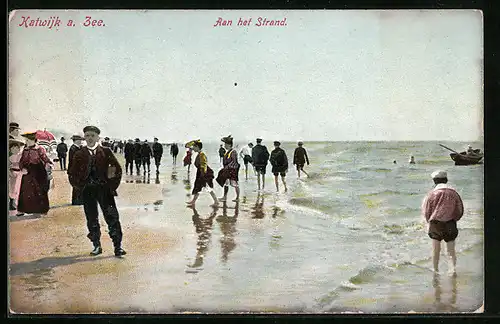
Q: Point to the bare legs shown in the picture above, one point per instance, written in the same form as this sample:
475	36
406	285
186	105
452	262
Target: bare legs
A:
450	249
226	190
246	171
263	180
277	183
196	195
300	169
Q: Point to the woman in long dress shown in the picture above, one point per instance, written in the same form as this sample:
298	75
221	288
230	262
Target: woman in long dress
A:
33	194
204	174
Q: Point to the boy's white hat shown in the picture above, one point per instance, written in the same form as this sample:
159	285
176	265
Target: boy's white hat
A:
439	174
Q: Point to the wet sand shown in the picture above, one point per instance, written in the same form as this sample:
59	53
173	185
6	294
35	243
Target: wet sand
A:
51	270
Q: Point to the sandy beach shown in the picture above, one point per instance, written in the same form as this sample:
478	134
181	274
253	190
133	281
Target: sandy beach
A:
259	256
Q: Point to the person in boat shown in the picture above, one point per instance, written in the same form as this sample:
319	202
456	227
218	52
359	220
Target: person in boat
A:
412	160
204	174
442	208
279	162
228	175
246	155
300	158
470	150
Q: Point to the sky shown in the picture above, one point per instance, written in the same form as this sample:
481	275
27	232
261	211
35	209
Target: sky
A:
325	76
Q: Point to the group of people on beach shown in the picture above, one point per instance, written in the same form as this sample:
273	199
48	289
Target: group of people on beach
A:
258	156
95	174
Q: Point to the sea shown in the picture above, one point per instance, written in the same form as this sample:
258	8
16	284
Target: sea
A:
347	238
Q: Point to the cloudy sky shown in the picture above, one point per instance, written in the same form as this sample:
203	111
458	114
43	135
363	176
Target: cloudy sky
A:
326	75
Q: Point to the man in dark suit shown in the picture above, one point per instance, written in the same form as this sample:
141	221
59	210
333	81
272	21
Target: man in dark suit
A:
77	144
62	151
97	173
146	154
138	155
129	153
157	153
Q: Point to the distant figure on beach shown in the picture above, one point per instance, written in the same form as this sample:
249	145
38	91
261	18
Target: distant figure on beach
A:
174	151
222	151
228	175
115	146
412	160
300	158
260	156
62	151
470	150
34	165
146	155
15	175
97	173
204	174
120	146
187	159
137	155
157	154
441	209
129	154
246	156
76	198
106	142
13	130
279	161
394	162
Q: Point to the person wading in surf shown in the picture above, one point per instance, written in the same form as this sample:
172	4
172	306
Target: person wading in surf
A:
279	161
260	157
441	209
300	158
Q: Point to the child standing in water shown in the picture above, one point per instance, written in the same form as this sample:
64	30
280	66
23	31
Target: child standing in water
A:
204	174
187	158
279	161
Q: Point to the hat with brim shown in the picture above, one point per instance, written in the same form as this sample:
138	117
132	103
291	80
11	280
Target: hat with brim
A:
277	143
14	125
137	140
14	141
258	140
439	175
92	129
227	140
30	135
76	137
301	143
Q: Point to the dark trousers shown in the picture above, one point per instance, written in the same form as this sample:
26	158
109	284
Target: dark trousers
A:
157	161
138	162
62	161
99	194
129	163
146	161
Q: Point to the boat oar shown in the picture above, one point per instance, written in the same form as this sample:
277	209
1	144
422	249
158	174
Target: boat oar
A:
450	149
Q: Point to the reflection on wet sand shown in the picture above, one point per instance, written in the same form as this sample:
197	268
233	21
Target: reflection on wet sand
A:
227	226
157	178
203	228
174	176
258	208
446	306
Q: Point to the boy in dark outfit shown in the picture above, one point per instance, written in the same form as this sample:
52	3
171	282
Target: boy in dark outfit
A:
129	153
97	173
157	153
138	155
62	151
146	154
260	156
279	161
300	158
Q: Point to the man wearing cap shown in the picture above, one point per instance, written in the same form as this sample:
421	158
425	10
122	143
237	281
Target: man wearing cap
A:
106	142
441	209
222	151
279	161
300	158
15	175
260	156
13	130
129	154
157	153
77	144
62	151
96	172
246	155
137	155
146	154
